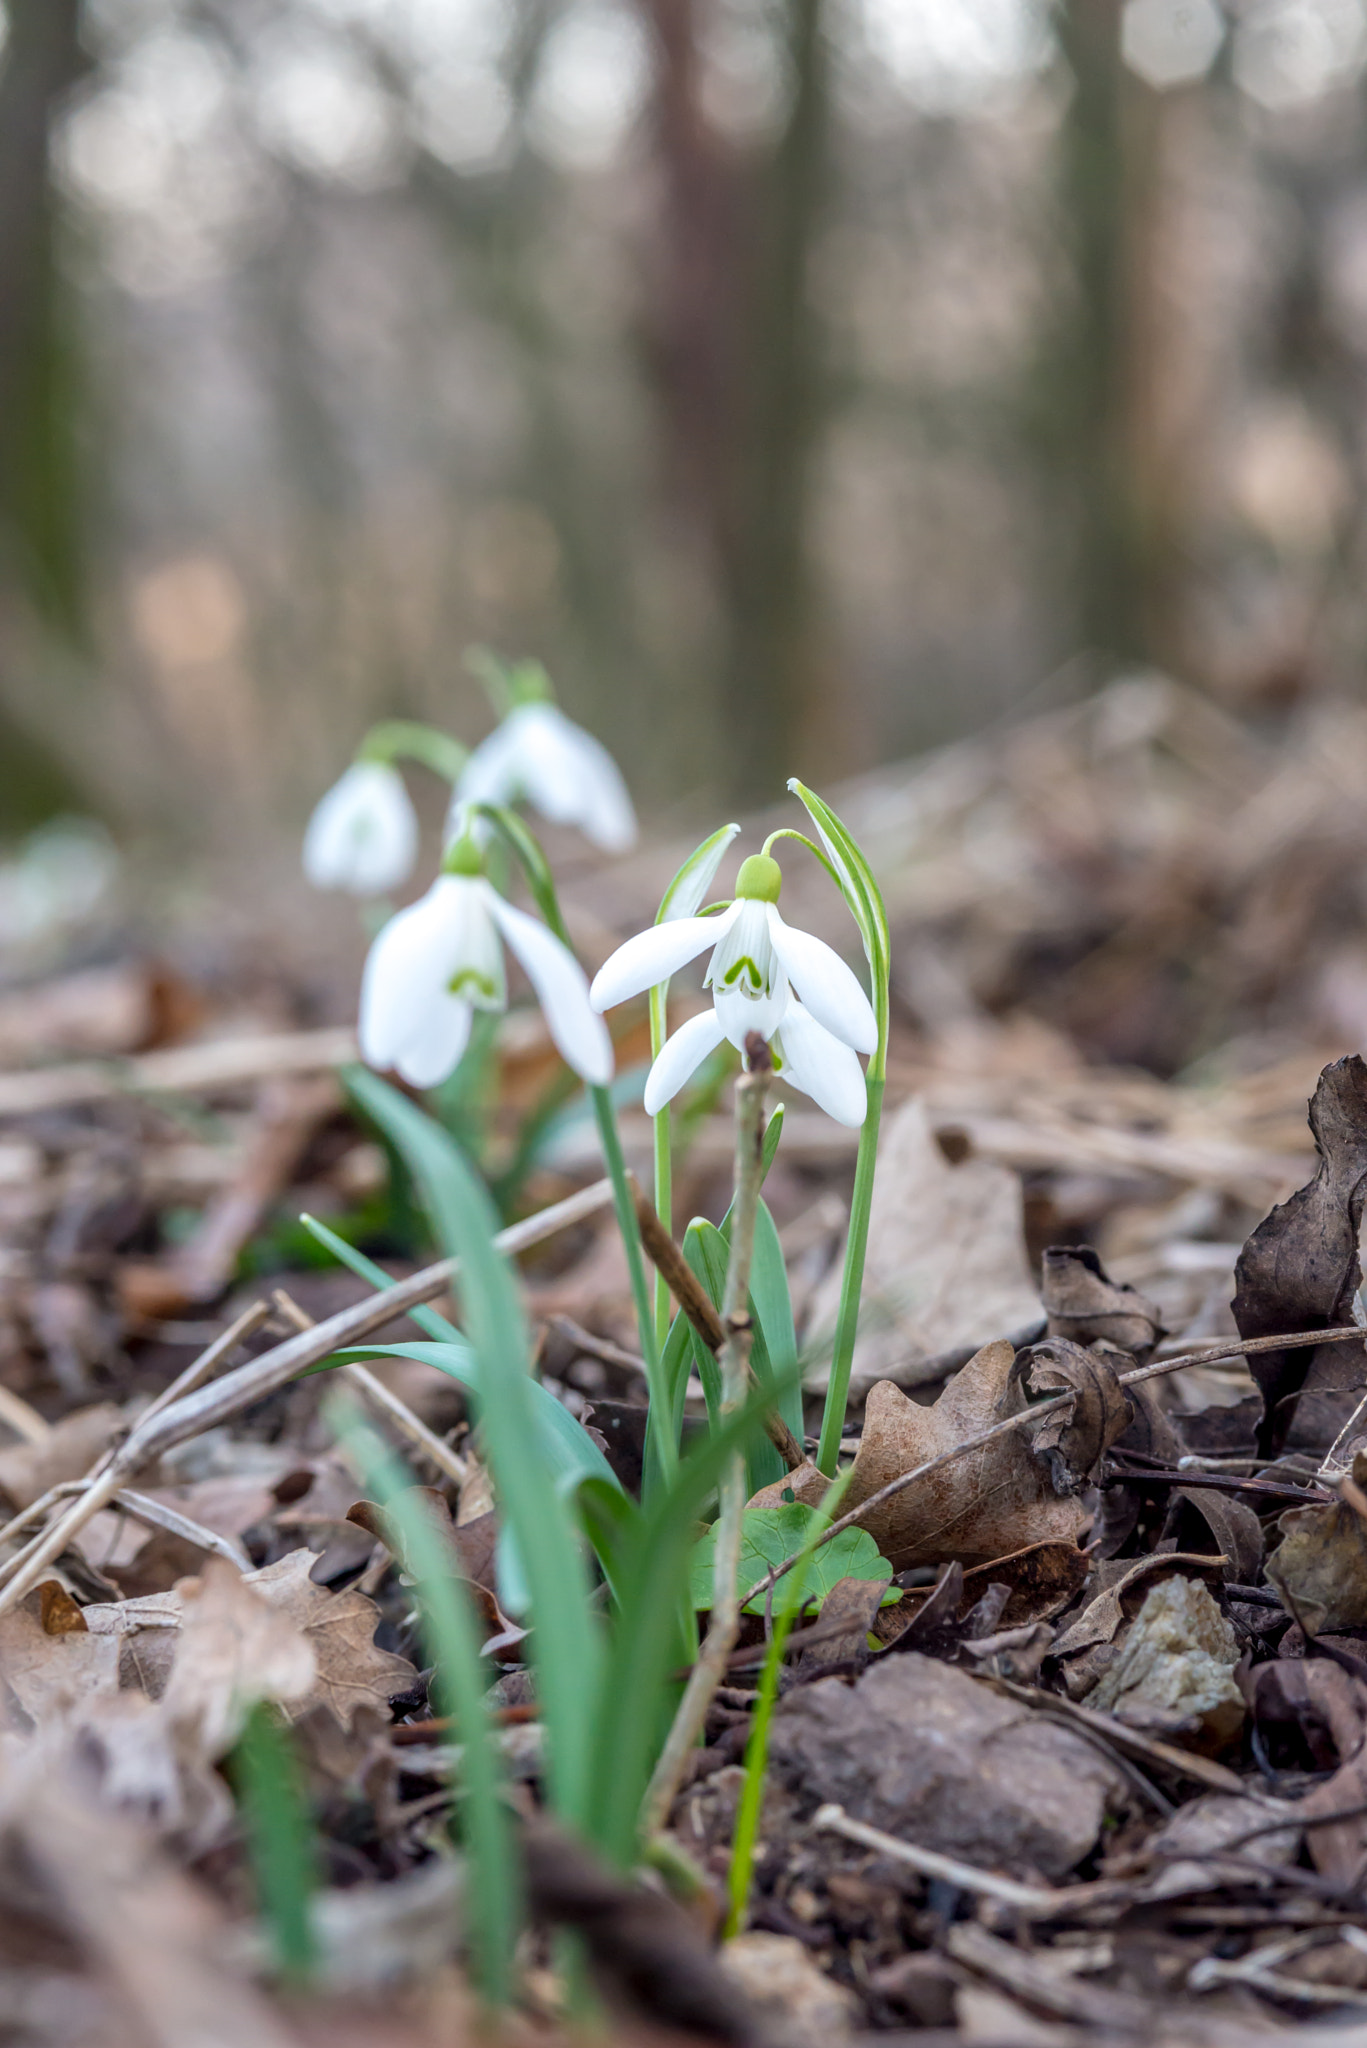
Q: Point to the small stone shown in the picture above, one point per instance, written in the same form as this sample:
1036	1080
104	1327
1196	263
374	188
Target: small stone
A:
796	2002
1175	1669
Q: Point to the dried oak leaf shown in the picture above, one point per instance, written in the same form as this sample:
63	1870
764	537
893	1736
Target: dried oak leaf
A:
1299	1270
999	1498
1320	1565
44	1676
1083	1303
340	1630
236	1646
470	1547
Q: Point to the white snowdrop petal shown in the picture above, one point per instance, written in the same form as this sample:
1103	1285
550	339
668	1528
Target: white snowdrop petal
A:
437	1042
489	775
829	988
740	1015
363	835
570	777
680	1057
653	955
562	989
402	978
823	1067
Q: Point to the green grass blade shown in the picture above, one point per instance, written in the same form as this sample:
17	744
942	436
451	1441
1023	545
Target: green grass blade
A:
425	1316
567	1647
494	1894
273	1804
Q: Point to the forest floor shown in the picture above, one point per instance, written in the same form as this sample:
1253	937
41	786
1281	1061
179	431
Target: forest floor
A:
1095	1769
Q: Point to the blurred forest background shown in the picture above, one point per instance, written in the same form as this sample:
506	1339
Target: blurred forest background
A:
807	381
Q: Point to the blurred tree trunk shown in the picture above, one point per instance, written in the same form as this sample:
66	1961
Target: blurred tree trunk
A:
1116	380
39	552
735	353
38	519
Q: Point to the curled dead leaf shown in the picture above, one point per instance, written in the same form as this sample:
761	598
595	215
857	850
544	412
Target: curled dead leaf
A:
1086	1306
1300	1269
998	1498
1320	1565
1074	1440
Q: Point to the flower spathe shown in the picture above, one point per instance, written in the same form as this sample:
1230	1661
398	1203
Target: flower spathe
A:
363	834
441	959
766	976
539	755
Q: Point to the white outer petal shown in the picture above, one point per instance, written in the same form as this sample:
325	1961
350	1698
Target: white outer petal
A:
562	989
570	777
490	774
434	1049
680	1057
363	835
829	988
404	977
654	954
823	1067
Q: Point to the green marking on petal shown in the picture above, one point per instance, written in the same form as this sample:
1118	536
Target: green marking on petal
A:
471	978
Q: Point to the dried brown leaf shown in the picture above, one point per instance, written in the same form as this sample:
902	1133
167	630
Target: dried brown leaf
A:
45	1677
1320	1565
994	1500
339	1628
1299	1270
1084	1304
236	1647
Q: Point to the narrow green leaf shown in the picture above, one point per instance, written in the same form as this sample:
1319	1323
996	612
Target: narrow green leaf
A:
273	1803
685	894
567	1646
494	1895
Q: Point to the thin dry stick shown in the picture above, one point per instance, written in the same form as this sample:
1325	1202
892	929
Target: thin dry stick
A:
198	1370
388	1403
1037	1902
710	1668
1028	1417
156	1515
27	1424
265	1375
696	1303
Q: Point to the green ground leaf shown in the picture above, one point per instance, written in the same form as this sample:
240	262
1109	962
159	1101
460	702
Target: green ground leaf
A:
771	1535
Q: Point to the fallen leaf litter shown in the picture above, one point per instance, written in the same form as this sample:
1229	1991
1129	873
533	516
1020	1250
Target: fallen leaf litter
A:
1087	1703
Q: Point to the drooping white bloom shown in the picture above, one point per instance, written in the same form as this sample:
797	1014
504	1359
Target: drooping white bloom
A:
765	976
561	770
439	961
363	835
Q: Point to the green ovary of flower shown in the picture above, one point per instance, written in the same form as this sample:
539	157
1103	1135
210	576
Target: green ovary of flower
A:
760	878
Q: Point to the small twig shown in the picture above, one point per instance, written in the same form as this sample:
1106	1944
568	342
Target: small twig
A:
597	1347
382	1397
695	1302
155	1514
1037	1902
724	1626
27	1424
206	1365
203	1409
1028	1417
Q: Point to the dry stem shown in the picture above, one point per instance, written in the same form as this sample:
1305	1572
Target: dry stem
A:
710	1668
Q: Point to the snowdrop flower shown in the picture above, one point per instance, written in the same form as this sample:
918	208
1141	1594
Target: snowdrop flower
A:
441	959
561	770
363	836
759	969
